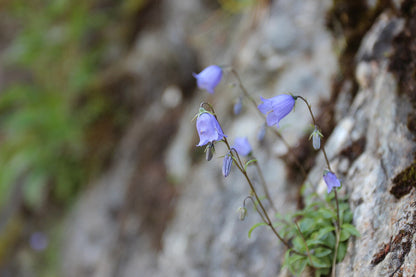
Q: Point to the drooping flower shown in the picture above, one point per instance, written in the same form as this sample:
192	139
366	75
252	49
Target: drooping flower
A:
209	130
316	138
227	163
276	108
331	180
209	78
242	146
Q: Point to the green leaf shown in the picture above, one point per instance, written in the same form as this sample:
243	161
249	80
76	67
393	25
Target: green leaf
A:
322	272
306	225
342	250
351	229
324	231
314	242
254	227
320	262
298	244
249	162
296	263
344	235
347	218
329	240
327	213
302	265
322	252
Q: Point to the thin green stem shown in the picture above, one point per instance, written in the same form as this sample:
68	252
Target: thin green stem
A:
337	223
262	212
263	182
334	260
252	101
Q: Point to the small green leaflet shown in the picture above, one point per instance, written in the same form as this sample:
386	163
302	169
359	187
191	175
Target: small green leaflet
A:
254	227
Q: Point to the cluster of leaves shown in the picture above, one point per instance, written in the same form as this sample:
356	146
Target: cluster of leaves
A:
314	234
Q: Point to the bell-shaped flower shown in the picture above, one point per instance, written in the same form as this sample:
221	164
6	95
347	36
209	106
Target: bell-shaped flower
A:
276	108
209	78
242	146
227	163
316	138
209	130
331	180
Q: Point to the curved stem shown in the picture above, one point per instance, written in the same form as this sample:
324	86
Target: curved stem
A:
252	101
255	206
263	214
263	182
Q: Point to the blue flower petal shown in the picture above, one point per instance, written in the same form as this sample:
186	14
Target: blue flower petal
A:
209	78
209	130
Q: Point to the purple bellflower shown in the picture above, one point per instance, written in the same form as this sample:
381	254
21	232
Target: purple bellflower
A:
277	108
331	180
227	163
242	146
209	130
209	78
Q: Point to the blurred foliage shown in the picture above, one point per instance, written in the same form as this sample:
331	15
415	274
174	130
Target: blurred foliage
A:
42	126
50	109
237	6
46	115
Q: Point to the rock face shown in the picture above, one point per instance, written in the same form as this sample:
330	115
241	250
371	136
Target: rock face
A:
371	148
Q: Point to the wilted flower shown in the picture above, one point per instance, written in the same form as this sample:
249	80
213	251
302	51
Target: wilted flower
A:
276	108
209	78
331	180
242	146
227	163
209	130
316	138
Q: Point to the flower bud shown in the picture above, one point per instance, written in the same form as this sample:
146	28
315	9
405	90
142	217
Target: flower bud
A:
316	138
209	151
242	213
238	106
226	166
